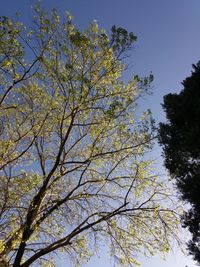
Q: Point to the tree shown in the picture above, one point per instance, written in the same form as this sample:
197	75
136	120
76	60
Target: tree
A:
181	145
73	164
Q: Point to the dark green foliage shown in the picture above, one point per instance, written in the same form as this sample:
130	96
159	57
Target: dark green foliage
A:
180	138
122	39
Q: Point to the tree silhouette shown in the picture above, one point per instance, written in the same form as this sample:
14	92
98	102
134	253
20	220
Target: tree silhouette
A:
180	138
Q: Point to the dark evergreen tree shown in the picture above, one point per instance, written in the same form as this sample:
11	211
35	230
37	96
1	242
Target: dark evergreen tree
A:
180	138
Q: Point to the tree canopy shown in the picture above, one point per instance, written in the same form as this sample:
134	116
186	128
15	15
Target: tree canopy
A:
73	168
181	145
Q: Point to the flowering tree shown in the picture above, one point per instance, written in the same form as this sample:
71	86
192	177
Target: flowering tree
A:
72	149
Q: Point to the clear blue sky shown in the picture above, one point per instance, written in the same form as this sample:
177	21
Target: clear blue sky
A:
168	44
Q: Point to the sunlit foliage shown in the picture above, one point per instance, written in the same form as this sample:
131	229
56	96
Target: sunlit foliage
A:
73	170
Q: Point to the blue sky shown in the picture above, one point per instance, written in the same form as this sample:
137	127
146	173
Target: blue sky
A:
168	44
